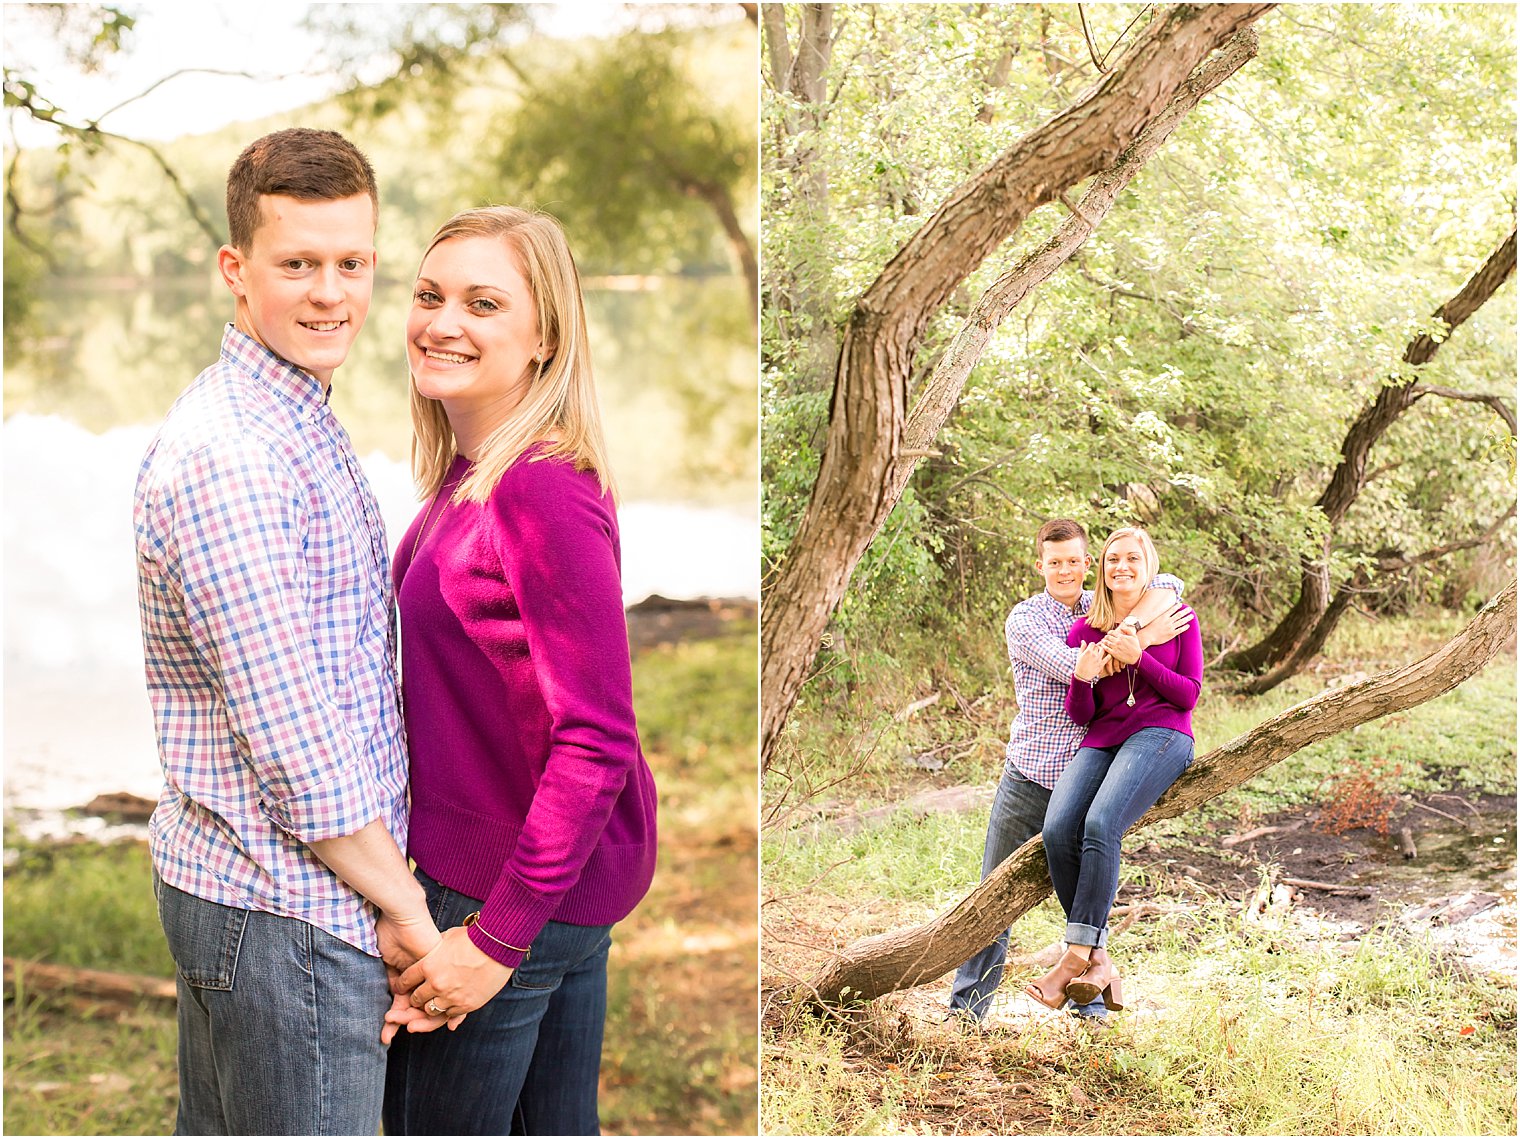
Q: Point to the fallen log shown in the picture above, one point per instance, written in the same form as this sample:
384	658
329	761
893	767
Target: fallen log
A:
884	963
120	989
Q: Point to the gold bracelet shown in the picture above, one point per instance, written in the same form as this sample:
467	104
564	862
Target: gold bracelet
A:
474	919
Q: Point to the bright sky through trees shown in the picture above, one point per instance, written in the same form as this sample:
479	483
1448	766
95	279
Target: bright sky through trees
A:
267	41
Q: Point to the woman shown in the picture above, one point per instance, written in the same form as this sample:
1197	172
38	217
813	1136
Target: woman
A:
1139	739
533	811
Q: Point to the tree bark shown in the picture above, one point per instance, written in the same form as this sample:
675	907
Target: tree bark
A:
1316	637
122	990
1396	397
722	206
874	966
854	491
802	77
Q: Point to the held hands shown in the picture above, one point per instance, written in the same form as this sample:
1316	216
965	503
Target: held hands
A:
406	938
1090	661
455	976
1122	644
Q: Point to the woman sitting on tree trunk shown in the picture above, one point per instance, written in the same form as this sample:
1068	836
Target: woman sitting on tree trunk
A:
1137	706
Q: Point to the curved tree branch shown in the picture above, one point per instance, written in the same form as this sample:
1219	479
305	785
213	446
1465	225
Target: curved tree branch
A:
1501	409
862	469
875	966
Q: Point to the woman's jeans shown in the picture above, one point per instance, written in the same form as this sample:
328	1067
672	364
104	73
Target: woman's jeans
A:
1101	794
279	1023
524	1063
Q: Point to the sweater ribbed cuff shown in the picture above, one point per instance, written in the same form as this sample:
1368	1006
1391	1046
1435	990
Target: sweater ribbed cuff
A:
509	921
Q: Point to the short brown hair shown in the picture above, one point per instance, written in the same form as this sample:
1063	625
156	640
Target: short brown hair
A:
311	165
1058	530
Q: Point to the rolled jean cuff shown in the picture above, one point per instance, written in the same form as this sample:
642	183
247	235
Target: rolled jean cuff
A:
1079	934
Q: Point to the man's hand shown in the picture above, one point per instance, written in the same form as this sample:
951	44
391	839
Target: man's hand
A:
1166	627
1122	644
1089	664
405	938
455	977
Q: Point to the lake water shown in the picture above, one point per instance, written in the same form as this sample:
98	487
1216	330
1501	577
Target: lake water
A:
676	370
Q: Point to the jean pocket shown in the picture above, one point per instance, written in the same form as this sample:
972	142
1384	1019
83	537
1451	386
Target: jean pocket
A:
204	938
536	977
560	948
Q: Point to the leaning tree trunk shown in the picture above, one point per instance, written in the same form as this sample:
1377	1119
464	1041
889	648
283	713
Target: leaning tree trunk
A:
1350	475
1316	637
863	460
874	966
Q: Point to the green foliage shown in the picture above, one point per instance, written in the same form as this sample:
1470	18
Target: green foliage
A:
1195	366
86	906
628	151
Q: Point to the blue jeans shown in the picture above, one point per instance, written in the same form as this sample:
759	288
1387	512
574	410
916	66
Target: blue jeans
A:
524	1063
1101	794
279	1023
1018	813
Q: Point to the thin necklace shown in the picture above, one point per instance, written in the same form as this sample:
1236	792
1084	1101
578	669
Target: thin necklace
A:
423	529
1129	670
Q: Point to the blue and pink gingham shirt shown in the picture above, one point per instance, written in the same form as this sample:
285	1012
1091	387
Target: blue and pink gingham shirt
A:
269	641
1044	738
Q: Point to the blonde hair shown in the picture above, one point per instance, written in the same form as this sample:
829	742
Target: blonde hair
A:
1101	616
560	407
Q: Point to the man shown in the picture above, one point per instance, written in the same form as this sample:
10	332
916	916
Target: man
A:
1043	739
269	642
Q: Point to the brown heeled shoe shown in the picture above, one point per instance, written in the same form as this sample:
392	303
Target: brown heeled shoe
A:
1050	990
1100	978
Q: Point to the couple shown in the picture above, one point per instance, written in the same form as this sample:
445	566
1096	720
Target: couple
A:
1106	682
303	941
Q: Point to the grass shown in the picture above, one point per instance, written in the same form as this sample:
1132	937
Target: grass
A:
1244	1029
680	1051
1243	1033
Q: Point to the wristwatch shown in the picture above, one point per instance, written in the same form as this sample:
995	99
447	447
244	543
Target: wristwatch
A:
1132	621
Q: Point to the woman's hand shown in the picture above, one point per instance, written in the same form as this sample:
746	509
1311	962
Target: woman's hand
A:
401	1015
455	978
1089	663
1122	644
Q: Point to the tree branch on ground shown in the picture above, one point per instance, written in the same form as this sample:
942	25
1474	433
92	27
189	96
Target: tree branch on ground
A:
874	966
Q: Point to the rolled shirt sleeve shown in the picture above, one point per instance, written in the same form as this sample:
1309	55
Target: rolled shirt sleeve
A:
240	524
1032	641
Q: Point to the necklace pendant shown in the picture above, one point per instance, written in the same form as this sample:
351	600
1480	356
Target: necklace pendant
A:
1131	701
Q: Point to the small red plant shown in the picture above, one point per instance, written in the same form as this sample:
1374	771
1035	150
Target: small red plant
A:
1362	795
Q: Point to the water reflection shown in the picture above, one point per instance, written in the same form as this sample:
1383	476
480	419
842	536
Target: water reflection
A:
675	367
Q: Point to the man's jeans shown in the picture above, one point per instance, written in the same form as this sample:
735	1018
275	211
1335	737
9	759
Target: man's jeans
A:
524	1063
1018	813
1100	795
279	1023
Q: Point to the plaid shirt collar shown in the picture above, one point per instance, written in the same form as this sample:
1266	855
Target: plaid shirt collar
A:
300	389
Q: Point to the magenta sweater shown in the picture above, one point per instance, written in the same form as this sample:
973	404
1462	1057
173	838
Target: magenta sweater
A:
529	789
1167	680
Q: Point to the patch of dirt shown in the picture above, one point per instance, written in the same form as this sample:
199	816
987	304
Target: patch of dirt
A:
660	620
1463	841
